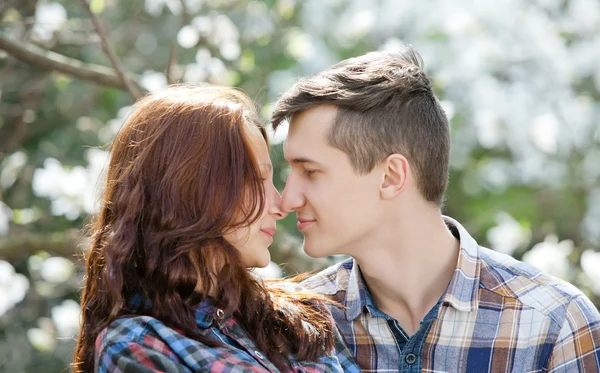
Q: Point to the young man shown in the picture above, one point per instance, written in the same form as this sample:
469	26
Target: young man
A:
369	145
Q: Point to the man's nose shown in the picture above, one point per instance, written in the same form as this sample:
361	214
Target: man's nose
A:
291	199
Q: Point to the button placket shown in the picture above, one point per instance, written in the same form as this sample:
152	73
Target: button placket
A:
240	336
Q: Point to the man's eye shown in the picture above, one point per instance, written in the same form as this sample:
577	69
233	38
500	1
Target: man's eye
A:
309	172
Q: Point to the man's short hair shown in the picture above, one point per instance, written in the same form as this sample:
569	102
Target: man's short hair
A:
385	105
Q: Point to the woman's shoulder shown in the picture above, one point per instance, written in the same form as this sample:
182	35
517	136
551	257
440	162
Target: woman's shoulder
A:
143	342
128	334
128	329
137	343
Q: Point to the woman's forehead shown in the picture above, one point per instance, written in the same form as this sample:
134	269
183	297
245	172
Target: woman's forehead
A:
259	145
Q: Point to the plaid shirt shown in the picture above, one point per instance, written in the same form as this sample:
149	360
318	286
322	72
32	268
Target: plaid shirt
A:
497	315
144	344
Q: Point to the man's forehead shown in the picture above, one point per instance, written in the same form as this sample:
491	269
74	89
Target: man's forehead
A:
310	125
301	136
322	115
304	149
287	148
308	131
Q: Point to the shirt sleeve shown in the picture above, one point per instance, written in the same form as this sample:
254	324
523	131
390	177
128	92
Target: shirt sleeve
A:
577	348
129	357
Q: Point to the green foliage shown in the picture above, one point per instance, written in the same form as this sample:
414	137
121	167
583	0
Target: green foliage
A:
262	47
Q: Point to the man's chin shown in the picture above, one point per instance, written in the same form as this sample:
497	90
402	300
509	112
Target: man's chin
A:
315	251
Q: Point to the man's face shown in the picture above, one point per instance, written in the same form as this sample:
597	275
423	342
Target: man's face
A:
337	209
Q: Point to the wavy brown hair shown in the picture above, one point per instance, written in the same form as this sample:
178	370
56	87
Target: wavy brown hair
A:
181	174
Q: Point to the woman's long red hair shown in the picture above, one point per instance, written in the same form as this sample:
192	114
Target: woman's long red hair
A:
181	173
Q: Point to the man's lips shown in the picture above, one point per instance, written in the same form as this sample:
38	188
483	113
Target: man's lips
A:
304	223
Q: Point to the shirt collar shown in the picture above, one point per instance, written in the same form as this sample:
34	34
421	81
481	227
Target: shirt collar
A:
358	296
462	292
205	313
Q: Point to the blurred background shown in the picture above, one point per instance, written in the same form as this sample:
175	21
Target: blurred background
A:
520	81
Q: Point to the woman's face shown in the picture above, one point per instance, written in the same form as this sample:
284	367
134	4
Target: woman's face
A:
253	241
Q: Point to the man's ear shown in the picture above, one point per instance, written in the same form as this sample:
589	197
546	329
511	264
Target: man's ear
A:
395	170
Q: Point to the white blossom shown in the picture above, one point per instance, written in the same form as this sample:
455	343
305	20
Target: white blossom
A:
550	256
13	287
56	269
66	318
508	235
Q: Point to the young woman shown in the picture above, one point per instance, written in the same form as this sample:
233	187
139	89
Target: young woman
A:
188	207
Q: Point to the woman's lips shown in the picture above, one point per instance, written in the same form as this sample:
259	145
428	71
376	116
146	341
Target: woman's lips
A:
269	232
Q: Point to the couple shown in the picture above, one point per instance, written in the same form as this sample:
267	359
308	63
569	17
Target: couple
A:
190	205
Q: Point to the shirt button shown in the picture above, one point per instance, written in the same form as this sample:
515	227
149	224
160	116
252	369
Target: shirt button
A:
258	355
220	313
410	359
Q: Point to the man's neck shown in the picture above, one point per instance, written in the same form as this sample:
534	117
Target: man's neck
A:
409	266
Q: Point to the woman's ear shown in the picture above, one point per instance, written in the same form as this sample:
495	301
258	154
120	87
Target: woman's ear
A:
395	174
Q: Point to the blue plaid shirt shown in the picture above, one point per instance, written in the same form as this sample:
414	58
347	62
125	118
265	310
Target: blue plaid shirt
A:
144	344
497	315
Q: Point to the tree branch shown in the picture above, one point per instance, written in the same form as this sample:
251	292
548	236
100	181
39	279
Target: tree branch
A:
185	13
12	135
22	246
52	61
185	19
3	8
109	53
172	62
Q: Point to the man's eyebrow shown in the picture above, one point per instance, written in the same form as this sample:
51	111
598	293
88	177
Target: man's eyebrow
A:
302	160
